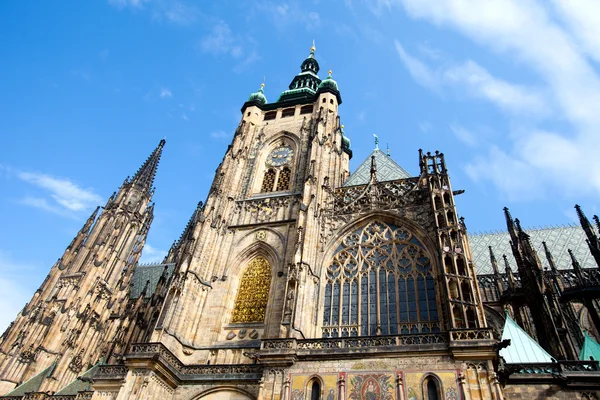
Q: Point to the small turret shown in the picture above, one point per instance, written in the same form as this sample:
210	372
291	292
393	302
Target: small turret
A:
258	96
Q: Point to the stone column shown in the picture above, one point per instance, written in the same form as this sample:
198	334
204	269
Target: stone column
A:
399	386
464	386
342	387
286	389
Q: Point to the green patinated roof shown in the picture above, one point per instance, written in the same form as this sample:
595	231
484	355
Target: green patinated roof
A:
522	348
590	349
387	170
78	384
33	384
150	272
558	240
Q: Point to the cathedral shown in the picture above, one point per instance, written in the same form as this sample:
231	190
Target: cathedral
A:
298	279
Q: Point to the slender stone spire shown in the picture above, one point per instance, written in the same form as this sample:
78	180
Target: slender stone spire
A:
493	261
510	277
497	277
592	239
550	259
510	224
577	268
144	177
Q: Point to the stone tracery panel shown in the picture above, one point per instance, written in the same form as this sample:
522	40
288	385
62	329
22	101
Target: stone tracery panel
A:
379	282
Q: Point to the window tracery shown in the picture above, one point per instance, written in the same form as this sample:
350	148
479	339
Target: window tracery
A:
380	281
268	181
283	181
253	293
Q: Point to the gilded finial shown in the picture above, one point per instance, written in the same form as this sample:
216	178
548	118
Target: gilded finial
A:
330	71
313	47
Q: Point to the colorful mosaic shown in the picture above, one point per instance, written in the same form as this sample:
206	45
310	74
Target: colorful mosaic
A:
371	387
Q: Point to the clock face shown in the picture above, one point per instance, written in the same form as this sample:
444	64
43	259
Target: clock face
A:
280	156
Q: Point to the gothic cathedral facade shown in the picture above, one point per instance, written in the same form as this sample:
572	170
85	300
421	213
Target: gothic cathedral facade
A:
295	279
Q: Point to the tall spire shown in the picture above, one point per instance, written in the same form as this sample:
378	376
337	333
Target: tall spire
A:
144	177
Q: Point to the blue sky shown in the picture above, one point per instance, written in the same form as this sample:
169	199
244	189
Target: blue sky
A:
508	89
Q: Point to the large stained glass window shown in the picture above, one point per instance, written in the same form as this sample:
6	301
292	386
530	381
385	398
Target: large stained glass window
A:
253	293
379	282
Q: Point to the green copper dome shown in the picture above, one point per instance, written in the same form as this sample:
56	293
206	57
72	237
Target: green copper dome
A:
259	96
328	83
345	142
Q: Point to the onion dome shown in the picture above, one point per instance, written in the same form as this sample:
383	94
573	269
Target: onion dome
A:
345	142
328	83
259	96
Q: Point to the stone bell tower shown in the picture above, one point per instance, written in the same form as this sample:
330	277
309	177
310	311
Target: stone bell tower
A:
246	257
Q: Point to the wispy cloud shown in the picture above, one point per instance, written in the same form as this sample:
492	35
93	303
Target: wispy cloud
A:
476	81
172	11
165	93
127	3
554	41
283	14
152	254
56	195
464	135
222	41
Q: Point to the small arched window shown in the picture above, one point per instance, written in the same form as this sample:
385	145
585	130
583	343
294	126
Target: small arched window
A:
253	293
283	181
431	389
315	390
268	181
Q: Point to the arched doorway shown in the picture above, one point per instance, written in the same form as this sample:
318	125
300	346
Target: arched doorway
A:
225	395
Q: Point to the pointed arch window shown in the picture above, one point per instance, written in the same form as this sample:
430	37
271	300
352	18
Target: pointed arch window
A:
283	180
268	181
379	282
253	292
431	389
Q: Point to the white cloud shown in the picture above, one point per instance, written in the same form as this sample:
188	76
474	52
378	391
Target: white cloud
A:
151	254
514	177
554	41
464	135
420	72
67	197
283	14
222	41
476	81
177	12
127	3
165	93
480	83
172	11
583	19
